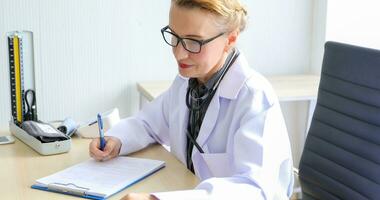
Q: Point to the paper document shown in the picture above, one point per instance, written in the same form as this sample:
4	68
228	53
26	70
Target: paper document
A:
93	179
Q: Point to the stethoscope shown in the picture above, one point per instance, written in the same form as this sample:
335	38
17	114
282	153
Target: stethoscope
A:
196	103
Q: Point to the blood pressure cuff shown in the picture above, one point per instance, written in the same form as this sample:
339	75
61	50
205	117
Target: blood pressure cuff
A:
43	132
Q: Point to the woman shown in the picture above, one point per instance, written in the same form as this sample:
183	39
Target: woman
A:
220	118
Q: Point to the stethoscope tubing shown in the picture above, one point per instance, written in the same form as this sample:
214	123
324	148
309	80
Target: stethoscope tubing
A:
205	98
210	93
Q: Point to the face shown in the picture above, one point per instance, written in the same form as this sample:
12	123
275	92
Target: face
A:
200	25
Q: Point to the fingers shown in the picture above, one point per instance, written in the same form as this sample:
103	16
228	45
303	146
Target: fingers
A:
139	196
111	149
94	150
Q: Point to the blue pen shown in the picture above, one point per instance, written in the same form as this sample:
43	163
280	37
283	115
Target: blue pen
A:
101	133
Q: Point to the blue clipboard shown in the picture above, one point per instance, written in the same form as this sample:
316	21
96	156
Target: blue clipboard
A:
74	190
68	192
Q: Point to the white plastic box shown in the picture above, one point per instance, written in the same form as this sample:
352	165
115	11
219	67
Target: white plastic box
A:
42	148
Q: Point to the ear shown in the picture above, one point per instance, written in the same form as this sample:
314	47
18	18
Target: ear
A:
231	40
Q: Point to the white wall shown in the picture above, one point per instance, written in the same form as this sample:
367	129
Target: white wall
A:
318	35
354	22
278	37
89	54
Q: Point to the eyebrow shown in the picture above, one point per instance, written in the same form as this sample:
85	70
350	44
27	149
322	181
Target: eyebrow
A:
187	36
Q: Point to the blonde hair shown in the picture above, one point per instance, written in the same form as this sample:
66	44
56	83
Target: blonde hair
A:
232	13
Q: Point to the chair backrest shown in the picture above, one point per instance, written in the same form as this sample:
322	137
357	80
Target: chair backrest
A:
341	156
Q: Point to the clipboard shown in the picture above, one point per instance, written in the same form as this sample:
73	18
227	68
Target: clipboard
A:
99	180
66	189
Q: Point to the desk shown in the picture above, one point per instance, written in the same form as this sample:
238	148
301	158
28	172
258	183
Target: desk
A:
20	166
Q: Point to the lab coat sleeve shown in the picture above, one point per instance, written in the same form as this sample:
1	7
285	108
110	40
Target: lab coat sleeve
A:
261	160
148	126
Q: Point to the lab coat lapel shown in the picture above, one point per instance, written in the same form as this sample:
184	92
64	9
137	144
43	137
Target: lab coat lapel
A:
209	120
229	89
184	111
182	123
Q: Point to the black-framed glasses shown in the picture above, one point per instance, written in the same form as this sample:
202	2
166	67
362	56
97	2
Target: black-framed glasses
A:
190	44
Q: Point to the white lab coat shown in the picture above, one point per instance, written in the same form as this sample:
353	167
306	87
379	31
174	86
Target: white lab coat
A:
247	150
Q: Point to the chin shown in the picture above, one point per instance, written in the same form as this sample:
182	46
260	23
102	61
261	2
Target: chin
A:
185	74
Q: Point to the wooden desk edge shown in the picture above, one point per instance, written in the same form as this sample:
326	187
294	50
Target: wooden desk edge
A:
151	89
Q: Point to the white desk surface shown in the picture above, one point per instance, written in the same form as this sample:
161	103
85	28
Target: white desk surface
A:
20	166
287	87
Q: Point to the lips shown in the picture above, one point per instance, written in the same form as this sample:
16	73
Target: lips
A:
183	65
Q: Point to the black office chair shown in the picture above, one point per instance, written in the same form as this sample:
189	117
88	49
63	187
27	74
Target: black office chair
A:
341	157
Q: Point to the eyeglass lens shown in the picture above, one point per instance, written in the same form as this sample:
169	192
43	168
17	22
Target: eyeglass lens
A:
189	44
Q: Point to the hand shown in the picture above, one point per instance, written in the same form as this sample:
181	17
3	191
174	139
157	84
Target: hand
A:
139	196
111	149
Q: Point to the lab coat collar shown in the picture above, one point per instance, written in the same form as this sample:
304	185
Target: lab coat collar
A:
229	88
235	78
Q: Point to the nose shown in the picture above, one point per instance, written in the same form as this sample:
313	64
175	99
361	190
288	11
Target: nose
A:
180	52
